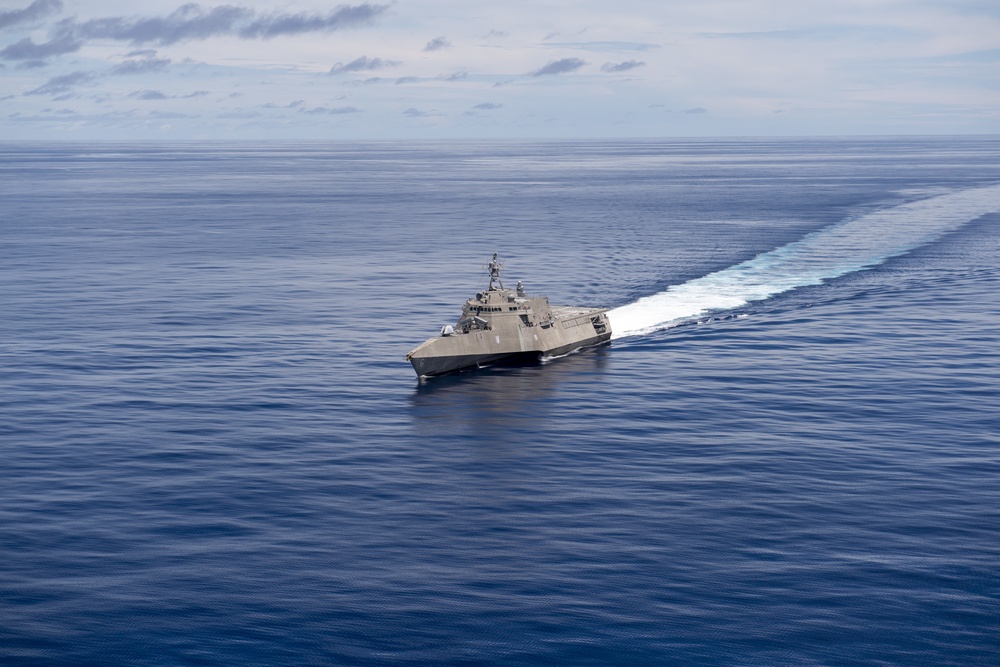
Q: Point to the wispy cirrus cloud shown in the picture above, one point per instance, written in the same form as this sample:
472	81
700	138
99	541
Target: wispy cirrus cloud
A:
331	111
27	49
559	67
605	46
824	32
186	23
363	64
192	22
401	80
345	16
483	106
145	65
38	9
160	95
413	112
437	44
62	84
170	115
149	95
622	67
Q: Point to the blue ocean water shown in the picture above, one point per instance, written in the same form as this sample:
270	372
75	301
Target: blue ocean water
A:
214	452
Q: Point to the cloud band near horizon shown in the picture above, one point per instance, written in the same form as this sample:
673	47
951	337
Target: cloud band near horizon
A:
188	22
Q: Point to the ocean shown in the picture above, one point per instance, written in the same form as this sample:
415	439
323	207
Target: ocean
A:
214	452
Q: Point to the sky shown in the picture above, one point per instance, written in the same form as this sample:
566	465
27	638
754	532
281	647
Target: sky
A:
401	69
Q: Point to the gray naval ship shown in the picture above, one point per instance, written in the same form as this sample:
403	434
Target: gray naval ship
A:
503	324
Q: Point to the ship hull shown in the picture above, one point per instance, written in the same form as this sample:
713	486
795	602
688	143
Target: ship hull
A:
506	325
439	359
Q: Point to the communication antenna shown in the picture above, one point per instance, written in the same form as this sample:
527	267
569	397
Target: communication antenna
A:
494	268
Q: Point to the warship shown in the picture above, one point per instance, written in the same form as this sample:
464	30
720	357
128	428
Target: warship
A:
506	325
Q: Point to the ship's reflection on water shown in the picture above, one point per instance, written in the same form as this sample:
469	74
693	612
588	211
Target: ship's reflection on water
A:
503	403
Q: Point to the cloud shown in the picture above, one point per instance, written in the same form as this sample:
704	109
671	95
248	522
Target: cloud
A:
159	95
239	114
622	67
46	116
149	95
416	113
62	84
696	110
605	46
345	16
363	64
406	79
437	44
487	106
193	22
27	49
560	67
110	118
144	66
169	114
336	111
36	10
189	21
826	32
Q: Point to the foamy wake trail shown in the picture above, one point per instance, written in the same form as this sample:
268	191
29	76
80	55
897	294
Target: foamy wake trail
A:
848	246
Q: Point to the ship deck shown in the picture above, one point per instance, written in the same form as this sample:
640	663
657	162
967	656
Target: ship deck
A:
565	312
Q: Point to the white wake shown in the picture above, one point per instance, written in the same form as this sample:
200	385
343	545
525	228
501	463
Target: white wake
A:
847	246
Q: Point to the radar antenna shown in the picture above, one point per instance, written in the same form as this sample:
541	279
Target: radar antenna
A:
494	269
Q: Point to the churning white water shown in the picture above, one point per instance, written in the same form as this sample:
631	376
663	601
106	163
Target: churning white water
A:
851	245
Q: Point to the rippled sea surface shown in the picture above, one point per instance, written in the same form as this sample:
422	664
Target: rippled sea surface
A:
214	453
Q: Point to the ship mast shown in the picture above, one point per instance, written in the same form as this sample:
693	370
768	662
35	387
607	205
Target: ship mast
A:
494	269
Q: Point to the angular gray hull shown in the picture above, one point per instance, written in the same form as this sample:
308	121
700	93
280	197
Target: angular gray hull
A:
501	324
517	341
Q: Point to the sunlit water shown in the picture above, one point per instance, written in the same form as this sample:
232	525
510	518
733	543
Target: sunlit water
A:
214	452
